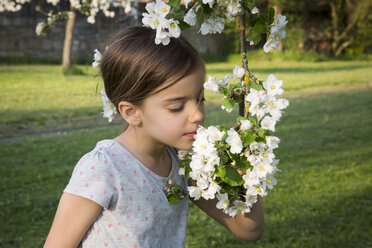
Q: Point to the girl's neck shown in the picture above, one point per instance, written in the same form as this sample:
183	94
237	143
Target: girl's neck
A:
153	155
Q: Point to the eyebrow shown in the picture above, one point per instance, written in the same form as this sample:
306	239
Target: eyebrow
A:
175	99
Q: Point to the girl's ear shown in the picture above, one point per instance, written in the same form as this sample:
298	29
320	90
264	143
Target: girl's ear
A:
130	113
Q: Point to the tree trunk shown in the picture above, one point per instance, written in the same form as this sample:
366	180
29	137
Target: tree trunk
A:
66	58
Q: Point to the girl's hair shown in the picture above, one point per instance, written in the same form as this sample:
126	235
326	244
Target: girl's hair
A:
133	66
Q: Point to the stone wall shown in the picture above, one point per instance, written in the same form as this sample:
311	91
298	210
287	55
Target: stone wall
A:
18	37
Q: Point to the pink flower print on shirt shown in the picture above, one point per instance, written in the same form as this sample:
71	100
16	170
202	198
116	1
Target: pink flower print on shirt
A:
106	244
130	197
127	235
146	218
134	172
148	172
118	238
118	224
86	185
92	168
147	199
121	189
106	162
113	155
139	208
81	173
153	191
144	181
109	225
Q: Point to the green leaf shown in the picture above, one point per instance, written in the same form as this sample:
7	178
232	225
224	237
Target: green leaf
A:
206	9
261	133
183	25
231	176
187	172
228	103
249	3
271	15
253	120
244	164
248	137
224	159
254	36
255	86
172	199
260	27
175	4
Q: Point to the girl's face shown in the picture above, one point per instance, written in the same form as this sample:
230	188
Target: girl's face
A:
172	116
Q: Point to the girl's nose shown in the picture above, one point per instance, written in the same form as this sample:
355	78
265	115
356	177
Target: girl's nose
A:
198	114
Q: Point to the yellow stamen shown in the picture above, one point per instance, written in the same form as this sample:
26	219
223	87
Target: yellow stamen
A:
199	192
216	136
165	9
258	189
224	202
272	87
261	168
247	80
271	104
264	155
173	25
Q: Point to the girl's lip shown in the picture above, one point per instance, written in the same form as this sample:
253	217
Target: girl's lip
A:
192	134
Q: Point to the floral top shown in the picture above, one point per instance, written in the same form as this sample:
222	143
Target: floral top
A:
135	212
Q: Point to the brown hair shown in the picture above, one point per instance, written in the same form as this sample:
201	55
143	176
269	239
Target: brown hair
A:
133	66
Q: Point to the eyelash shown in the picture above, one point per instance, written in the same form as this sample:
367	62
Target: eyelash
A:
181	108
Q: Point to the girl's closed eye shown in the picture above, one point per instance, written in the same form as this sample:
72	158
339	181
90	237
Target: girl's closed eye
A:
174	110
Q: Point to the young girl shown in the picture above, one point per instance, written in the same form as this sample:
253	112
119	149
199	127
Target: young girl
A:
115	196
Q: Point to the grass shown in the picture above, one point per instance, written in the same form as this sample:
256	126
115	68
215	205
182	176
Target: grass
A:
38	98
323	196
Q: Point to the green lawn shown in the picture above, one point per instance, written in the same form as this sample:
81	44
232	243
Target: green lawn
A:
38	98
323	198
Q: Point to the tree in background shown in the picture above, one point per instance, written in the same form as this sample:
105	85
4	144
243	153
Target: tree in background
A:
89	8
328	26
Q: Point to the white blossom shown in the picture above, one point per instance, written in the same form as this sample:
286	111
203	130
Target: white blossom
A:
109	109
210	2
255	10
190	17
268	123
39	28
223	201
211	84
233	139
97	58
212	25
272	142
238	72
214	134
250	178
194	192
225	80
245	124
273	85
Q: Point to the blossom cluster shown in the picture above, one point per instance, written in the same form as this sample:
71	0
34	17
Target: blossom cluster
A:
237	165
156	19
12	6
277	33
109	109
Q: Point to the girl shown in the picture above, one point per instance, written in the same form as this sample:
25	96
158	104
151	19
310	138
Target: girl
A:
115	196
